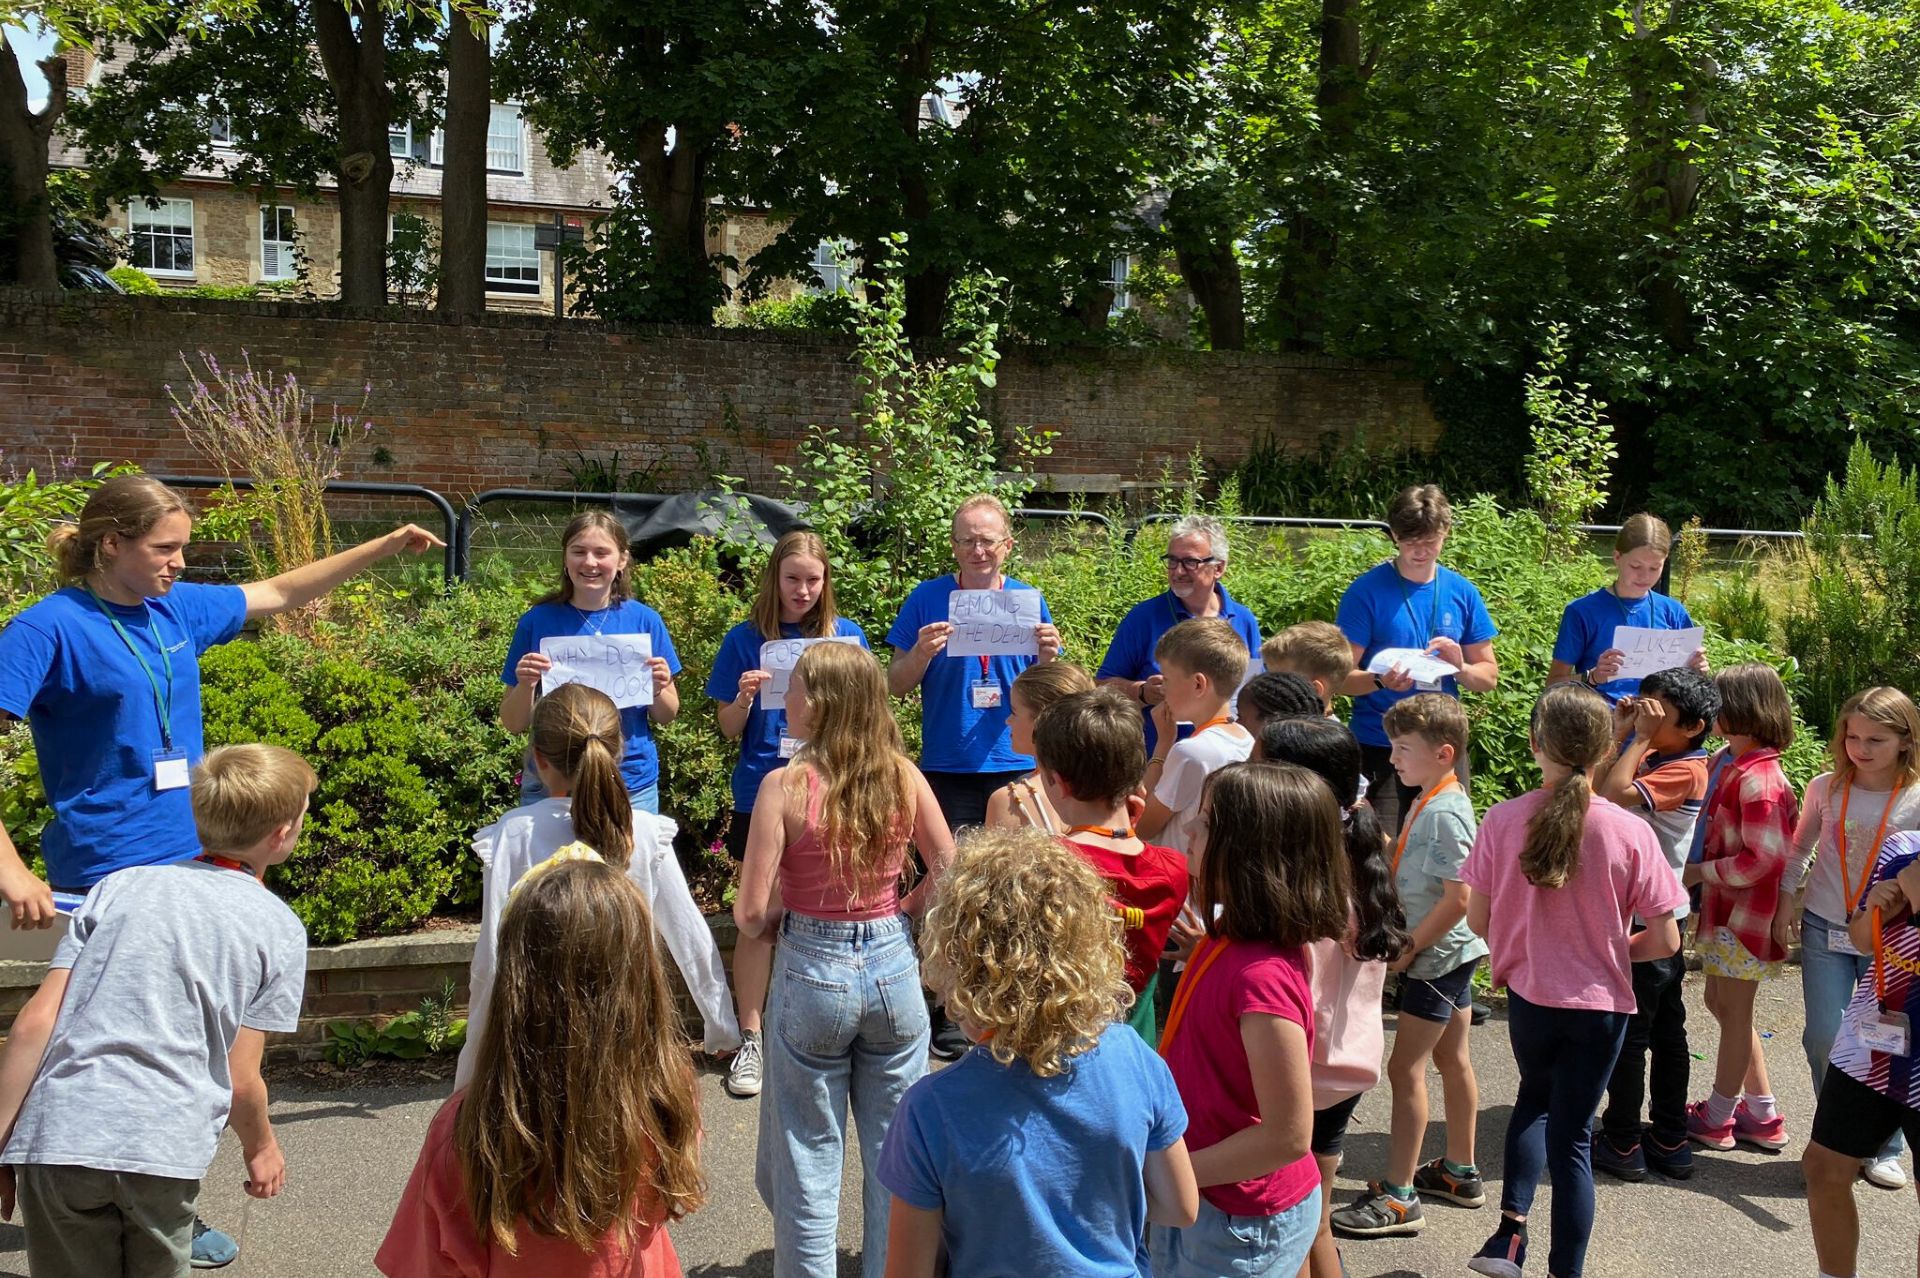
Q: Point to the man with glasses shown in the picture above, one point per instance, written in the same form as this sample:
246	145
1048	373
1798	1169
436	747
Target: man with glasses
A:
1196	560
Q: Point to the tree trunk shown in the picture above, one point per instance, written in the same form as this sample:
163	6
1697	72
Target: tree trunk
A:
1313	244
463	178
356	66
674	185
1664	181
25	139
926	287
1213	277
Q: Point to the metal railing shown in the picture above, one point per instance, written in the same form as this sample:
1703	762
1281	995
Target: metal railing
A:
449	521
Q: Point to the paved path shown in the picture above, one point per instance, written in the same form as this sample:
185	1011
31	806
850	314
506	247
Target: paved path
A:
349	1152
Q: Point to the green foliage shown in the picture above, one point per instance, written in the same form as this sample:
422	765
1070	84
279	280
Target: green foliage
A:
136	281
804	312
1349	476
1853	626
30	506
591	474
1573	453
432	1030
413	260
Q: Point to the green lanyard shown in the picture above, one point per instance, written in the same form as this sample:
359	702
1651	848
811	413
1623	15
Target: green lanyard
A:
162	701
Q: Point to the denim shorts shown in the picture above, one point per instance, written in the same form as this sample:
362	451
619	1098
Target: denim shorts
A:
1216	1244
1438	999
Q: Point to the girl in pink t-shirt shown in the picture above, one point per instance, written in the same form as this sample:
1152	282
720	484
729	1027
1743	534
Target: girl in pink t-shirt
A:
1556	878
1240	1034
579	1136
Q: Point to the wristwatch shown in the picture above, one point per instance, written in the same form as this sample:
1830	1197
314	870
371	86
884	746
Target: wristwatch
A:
1378	686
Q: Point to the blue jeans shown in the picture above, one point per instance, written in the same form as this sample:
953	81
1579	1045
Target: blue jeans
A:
845	1021
1217	1244
1827	980
1565	1057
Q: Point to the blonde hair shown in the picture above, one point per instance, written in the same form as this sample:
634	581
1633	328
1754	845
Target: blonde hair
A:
1208	646
608	523
1437	718
1891	709
1419	511
1024	943
1043	686
822	620
1316	649
1754	703
854	744
243	793
986	501
1644	532
1572	727
127	506
582	1119
576	729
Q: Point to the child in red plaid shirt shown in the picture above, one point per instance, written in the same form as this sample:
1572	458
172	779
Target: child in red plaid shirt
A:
1750	821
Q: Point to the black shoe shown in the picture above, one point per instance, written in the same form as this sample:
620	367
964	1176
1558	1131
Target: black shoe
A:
1481	1012
1629	1164
1675	1162
949	1043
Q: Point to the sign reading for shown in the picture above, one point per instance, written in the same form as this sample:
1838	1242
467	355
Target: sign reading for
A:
778	657
618	665
993	623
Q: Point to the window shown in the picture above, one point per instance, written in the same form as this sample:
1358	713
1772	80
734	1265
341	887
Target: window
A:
513	263
220	129
276	243
400	141
437	148
832	270
162	238
506	140
1117	273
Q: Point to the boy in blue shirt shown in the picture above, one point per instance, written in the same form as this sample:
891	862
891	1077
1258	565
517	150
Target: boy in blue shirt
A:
1050	1145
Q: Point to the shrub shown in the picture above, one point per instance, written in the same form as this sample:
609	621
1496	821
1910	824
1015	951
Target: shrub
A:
29	508
135	281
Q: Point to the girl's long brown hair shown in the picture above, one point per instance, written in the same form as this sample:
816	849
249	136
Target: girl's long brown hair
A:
855	746
1275	860
1572	727
822	620
582	1119
577	730
607	522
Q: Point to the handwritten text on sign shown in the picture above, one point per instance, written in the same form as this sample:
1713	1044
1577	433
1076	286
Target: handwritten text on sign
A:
778	658
618	665
1651	650
993	623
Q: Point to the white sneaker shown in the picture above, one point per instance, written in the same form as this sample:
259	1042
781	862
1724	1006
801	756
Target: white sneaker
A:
1884	1172
743	1076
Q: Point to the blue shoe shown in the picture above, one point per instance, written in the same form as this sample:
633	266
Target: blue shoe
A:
1629	1164
1672	1161
1502	1255
211	1248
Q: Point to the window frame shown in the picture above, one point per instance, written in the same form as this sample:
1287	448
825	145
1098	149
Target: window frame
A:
192	237
292	228
1119	276
520	123
404	129
511	287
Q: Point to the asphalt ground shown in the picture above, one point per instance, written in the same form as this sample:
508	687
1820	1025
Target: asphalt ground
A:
349	1152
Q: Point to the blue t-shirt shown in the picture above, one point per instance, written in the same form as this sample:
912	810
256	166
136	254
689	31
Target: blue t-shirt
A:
1586	631
1037	1175
640	765
1382	609
1130	654
955	737
69	674
760	738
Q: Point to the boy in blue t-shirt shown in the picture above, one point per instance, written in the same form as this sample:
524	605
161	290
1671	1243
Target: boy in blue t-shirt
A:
1049	1146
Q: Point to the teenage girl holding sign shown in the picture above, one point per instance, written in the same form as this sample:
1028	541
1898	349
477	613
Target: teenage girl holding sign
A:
594	598
1584	649
795	601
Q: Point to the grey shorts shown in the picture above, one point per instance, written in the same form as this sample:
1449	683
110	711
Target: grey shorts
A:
82	1223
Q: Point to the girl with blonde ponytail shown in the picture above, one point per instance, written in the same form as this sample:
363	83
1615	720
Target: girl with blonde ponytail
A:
577	744
1570	891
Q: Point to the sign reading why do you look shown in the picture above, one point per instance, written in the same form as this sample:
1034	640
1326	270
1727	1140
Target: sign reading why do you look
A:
618	665
993	623
778	657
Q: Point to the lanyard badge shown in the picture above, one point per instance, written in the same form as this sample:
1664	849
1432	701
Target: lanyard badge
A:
170	767
1883	1031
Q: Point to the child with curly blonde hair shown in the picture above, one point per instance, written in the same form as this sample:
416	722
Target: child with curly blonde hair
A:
1057	1138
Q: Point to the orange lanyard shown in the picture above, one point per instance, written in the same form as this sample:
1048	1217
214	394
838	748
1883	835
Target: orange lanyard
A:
225	863
1879	837
1196	969
1122	832
1199	728
1451	782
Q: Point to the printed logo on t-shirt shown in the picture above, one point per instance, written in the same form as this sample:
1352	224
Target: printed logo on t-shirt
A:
1132	917
1448	620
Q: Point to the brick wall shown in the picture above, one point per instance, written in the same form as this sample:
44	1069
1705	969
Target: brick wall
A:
511	400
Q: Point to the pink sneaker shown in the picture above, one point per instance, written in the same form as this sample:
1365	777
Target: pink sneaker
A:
1702	1131
1770	1136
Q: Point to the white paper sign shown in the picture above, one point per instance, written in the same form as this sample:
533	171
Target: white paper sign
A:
778	657
1651	650
618	665
1423	666
993	623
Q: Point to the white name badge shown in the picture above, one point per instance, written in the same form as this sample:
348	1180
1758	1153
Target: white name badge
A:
1887	1032
789	746
170	771
986	696
1839	941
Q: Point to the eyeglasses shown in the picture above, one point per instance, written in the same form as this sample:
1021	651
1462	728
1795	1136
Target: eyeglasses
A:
978	543
1185	564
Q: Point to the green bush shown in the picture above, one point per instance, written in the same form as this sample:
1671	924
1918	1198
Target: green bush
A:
135	281
29	508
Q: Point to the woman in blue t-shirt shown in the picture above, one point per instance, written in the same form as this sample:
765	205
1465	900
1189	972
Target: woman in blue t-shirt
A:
794	605
594	598
1584	649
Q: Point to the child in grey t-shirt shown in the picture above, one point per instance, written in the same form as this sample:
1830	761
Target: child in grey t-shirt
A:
113	1099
